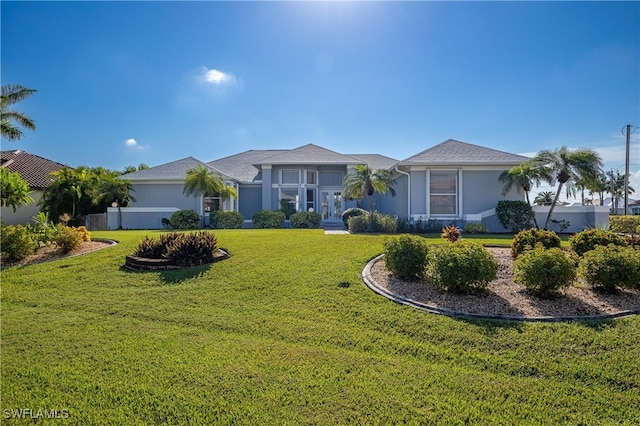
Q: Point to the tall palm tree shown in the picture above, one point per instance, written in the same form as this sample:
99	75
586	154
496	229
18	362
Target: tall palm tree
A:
225	193
598	186
566	168
116	190
365	182
10	119
615	186
522	177
202	182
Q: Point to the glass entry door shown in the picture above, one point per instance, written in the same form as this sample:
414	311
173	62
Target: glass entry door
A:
331	203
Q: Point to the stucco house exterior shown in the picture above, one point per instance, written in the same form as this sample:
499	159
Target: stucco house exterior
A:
36	171
453	182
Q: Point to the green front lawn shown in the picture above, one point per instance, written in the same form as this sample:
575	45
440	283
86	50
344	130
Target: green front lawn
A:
284	332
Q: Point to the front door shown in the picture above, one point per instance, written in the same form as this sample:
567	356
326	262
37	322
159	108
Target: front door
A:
331	204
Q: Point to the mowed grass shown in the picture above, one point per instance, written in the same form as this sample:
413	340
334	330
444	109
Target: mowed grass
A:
284	332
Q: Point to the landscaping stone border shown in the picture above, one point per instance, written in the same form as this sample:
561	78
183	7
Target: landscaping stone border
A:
368	280
135	263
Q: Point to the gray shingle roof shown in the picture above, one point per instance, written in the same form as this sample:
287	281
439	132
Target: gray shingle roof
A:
375	161
452	152
309	154
32	168
241	166
175	170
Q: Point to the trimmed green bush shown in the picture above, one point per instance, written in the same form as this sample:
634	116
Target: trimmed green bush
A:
462	267
352	212
544	270
306	220
515	215
17	243
585	241
529	239
611	266
68	238
225	220
475	228
624	224
268	219
193	249
185	219
376	223
406	256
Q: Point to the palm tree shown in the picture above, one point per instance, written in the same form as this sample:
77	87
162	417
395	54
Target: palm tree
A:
543	198
116	190
365	182
12	120
202	182
225	193
615	186
522	177
566	167
598	186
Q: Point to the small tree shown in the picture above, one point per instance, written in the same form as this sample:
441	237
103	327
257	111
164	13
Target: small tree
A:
14	191
116	190
12	120
365	182
202	182
515	215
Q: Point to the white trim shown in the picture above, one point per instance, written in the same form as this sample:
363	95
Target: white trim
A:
143	209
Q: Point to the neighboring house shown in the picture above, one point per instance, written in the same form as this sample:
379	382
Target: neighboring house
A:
634	208
452	182
37	172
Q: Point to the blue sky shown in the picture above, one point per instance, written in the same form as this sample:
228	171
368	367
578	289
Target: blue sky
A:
123	83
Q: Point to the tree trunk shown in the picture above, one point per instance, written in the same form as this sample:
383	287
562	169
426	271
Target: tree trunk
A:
535	221
119	217
553	206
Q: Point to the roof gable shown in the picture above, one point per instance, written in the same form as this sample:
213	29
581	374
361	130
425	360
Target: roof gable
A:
452	152
35	170
241	166
175	170
375	161
309	154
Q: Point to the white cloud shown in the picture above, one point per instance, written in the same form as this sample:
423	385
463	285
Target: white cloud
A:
131	142
216	77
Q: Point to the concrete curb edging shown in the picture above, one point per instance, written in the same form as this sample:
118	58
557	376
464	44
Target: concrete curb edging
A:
368	280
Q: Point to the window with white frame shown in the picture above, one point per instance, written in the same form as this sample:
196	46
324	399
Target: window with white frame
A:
291	196
290	177
443	192
331	178
310	177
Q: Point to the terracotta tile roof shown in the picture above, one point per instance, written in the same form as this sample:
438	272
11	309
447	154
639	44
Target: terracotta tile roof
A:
32	168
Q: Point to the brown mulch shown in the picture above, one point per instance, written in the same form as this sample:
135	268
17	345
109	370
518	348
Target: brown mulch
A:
47	253
506	298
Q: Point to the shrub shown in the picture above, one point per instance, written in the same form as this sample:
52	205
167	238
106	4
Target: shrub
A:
475	228
17	243
451	233
268	219
185	219
287	208
192	249
462	267
624	224
225	220
306	220
406	256
84	234
376	223
529	239
352	212
544	271
633	240
150	248
515	215
42	228
67	238
587	240
611	266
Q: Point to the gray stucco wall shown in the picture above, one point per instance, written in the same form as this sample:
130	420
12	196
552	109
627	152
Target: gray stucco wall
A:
22	215
163	195
394	205
249	200
481	191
